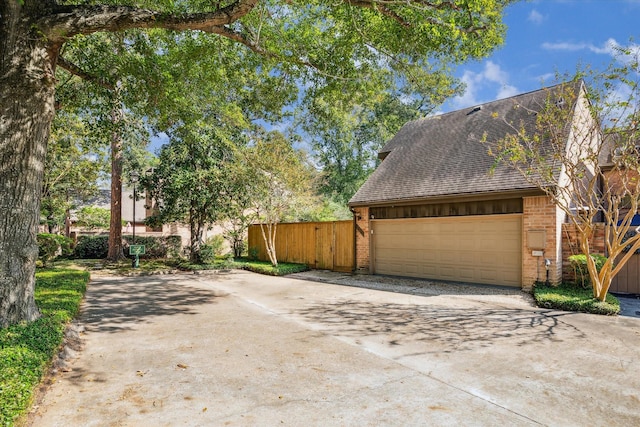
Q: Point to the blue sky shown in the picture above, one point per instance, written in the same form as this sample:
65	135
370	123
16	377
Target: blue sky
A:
545	36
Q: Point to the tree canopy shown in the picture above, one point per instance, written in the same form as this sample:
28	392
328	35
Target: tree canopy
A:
321	43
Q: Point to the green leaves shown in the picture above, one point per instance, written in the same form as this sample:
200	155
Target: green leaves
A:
27	349
194	180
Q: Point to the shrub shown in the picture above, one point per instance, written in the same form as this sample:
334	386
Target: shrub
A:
97	247
174	246
570	298
253	253
580	270
207	254
216	243
237	241
51	246
155	246
92	247
213	248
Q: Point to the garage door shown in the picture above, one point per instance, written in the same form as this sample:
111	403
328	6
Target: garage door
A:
476	249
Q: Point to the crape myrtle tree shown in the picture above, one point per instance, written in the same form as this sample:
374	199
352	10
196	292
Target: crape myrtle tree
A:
280	179
240	215
590	133
337	40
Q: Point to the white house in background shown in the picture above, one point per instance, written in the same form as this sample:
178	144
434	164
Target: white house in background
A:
103	200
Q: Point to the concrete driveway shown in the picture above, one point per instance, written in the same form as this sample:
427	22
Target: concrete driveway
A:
243	349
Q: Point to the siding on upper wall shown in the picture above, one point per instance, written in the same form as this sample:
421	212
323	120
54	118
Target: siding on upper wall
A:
484	207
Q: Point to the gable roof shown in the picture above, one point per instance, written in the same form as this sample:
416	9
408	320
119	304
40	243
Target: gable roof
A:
442	156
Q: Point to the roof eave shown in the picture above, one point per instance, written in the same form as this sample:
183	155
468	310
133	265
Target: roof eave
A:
486	195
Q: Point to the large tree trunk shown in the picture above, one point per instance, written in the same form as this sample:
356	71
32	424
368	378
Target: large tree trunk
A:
26	109
115	226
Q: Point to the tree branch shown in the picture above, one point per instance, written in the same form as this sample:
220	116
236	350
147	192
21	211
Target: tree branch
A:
68	21
77	71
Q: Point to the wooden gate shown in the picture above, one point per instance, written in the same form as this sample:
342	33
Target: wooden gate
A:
627	281
320	245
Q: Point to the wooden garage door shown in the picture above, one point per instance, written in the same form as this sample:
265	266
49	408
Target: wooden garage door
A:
476	249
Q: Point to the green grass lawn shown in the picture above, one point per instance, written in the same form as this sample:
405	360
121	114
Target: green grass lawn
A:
262	267
155	265
570	297
26	350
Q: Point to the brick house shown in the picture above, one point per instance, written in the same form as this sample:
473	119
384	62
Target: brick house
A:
435	208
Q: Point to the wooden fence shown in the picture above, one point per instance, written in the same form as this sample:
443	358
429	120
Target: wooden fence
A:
320	245
628	279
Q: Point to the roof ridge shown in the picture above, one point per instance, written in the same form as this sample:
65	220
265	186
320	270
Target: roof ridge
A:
519	95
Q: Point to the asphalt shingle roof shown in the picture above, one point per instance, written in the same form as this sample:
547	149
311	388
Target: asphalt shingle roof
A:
443	155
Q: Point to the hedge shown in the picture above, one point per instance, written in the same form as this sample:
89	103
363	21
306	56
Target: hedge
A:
97	247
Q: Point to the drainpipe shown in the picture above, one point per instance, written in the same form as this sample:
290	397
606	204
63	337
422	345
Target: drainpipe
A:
355	246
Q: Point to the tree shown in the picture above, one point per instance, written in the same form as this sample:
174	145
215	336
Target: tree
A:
280	178
348	126
341	40
583	153
99	60
73	165
190	183
239	214
92	217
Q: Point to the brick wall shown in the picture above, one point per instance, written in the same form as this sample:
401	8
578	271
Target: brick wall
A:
540	214
363	236
571	246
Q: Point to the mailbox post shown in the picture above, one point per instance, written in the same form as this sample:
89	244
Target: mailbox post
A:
136	251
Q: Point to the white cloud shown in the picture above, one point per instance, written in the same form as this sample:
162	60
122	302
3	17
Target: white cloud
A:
494	73
564	46
535	17
611	47
485	81
547	78
608	47
468	98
